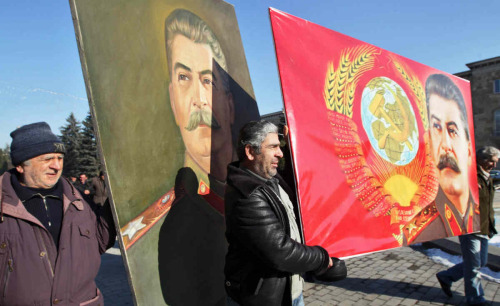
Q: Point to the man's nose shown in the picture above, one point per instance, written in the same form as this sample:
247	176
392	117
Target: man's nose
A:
446	142
200	98
279	153
56	164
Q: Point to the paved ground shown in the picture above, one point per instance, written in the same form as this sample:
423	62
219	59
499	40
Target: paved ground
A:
402	276
112	279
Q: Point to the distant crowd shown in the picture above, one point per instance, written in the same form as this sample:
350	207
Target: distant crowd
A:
92	189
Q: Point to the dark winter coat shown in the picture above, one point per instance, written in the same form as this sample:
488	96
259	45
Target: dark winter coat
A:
100	191
32	270
262	257
82	187
486	194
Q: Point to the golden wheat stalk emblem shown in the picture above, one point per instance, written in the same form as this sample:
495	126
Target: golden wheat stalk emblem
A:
417	91
340	83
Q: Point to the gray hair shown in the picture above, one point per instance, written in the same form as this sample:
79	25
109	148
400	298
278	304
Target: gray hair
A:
191	26
441	85
487	153
254	133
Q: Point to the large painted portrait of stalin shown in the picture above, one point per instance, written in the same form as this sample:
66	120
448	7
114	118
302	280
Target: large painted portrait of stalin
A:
191	242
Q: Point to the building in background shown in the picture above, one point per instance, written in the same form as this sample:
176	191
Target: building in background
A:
278	118
484	77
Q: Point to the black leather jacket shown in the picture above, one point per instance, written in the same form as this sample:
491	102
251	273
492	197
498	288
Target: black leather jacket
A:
262	257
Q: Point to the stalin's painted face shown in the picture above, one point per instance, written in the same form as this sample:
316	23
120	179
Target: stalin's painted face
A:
202	107
451	148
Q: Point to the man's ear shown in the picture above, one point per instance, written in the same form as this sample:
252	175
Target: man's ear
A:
172	102
249	152
20	169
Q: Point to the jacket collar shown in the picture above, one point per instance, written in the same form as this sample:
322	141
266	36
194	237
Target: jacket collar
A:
483	175
25	193
447	210
246	182
10	204
71	195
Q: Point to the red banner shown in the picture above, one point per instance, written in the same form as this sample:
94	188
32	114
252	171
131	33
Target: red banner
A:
374	162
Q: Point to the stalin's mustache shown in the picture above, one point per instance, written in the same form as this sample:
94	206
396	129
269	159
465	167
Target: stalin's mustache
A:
201	116
448	161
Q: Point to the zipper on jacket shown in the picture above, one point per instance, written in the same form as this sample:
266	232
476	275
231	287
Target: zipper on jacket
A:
46	209
10	269
44	200
44	252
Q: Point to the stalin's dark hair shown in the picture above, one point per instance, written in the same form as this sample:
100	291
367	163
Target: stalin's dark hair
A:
443	86
185	23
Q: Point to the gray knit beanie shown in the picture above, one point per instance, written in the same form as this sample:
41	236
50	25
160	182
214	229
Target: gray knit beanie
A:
32	140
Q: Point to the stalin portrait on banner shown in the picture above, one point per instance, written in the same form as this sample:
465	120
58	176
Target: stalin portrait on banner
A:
453	212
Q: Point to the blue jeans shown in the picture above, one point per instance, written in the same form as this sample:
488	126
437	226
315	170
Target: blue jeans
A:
475	256
299	301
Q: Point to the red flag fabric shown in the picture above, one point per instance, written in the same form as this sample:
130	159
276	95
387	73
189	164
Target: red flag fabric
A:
360	134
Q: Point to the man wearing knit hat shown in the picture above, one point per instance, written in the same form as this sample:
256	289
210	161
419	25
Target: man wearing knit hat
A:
44	218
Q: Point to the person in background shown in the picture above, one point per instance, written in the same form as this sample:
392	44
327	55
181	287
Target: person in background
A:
100	189
475	246
84	186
